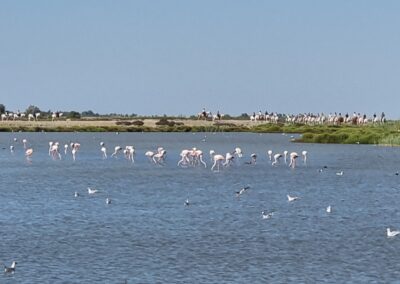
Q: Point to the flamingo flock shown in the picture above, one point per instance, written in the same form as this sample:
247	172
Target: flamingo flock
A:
191	157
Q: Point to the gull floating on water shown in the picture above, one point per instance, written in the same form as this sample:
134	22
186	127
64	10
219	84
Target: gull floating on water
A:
329	209
10	269
292	198
243	190
187	203
266	215
108	200
76	194
92	191
390	233
339	173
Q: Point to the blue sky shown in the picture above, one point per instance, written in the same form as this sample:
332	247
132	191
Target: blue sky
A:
176	57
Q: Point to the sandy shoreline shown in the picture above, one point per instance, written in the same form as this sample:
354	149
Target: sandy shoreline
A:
47	124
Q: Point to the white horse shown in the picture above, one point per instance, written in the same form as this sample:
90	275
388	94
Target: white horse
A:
203	115
216	117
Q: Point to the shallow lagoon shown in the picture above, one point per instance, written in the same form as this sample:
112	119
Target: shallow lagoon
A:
148	235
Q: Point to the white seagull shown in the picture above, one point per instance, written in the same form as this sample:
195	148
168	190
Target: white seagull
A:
391	234
76	194
10	269
266	215
339	173
92	191
243	190
292	198
108	200
329	209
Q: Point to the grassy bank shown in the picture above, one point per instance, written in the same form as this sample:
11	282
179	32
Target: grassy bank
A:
387	134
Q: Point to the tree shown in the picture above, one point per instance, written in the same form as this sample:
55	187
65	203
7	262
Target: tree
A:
74	114
32	109
89	113
2	108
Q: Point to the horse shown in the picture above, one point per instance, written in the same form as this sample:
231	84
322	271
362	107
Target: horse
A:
203	115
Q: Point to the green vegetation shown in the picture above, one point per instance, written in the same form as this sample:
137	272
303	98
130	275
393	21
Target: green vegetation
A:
387	134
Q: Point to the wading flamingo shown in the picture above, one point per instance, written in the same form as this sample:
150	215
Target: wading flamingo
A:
24	141
304	154
218	160
228	159
276	159
293	157
238	152
198	157
117	149
28	154
149	155
74	149
54	151
130	153
269	154
50	145
104	151
159	158
184	157
285	156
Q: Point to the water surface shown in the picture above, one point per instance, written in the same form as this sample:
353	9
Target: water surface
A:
148	235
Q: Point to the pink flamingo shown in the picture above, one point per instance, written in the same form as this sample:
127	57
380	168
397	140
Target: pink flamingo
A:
285	155
304	154
218	160
149	155
184	157
54	151
24	141
159	158
276	159
269	154
130	153
198	156
228	159
293	157
28	154
116	150
75	147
